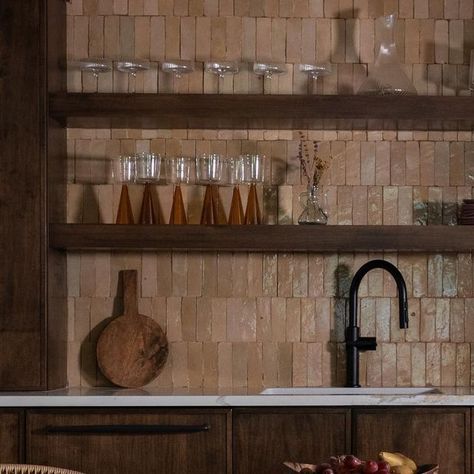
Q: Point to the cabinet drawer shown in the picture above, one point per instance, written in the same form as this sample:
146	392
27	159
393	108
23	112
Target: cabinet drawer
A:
264	438
129	441
428	435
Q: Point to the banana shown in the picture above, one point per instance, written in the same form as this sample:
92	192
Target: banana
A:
392	458
408	462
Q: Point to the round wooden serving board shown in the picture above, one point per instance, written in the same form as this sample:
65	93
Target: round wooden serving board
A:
133	348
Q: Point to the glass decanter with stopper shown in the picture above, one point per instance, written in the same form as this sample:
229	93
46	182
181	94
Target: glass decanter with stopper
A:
387	76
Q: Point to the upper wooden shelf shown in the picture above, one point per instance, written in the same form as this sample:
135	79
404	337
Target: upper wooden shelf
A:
263	238
260	111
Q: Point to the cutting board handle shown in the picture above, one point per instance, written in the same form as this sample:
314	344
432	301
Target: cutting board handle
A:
130	301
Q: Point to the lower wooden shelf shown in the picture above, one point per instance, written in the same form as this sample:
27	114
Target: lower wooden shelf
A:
262	238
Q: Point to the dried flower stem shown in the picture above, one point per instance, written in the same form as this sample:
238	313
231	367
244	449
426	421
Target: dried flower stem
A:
312	165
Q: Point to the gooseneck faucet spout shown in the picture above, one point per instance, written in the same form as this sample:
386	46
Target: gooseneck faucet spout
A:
354	342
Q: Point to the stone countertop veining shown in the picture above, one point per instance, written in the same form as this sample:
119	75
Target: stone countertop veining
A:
116	397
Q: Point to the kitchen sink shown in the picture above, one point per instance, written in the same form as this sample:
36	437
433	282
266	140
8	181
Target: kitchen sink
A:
350	391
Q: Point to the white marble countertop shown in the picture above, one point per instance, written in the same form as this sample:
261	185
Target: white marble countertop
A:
114	397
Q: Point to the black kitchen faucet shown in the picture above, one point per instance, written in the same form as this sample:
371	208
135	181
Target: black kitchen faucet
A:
354	342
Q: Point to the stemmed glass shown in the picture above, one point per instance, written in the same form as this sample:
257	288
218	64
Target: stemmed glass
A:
132	66
222	68
95	66
178	67
209	172
178	171
234	175
253	166
124	172
268	70
148	171
315	71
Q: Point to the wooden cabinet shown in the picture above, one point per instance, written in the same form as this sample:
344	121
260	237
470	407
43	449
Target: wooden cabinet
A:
26	139
130	441
11	436
428	435
263	439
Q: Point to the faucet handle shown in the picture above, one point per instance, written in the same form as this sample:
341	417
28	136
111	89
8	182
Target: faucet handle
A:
366	344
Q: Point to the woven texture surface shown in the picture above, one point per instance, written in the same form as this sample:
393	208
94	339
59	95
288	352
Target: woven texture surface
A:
31	469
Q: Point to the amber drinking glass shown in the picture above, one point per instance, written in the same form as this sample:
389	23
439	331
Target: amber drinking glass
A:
178	172
148	166
233	171
209	173
253	166
124	172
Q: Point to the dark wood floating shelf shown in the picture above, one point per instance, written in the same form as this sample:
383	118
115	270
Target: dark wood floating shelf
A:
264	238
260	111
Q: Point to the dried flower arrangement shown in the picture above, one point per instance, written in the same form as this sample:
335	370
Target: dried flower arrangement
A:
312	165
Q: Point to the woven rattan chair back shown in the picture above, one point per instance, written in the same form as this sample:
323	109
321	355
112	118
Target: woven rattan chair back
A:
31	469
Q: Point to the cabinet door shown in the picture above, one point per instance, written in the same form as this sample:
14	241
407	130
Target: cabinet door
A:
264	439
428	435
129	441
11	436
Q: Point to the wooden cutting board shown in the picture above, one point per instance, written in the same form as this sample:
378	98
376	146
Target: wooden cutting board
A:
133	348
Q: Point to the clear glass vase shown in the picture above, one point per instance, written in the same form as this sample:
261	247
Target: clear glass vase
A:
314	206
387	76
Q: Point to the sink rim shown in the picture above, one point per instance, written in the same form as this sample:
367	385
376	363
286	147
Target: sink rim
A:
352	391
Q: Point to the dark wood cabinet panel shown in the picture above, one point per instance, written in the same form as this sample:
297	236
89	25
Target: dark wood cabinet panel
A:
130	441
428	435
11	436
264	439
29	70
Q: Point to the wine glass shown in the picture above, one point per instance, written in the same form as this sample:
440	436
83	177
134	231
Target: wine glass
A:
95	66
222	68
148	167
315	71
178	171
268	70
178	67
233	171
209	172
253	166
124	171
132	66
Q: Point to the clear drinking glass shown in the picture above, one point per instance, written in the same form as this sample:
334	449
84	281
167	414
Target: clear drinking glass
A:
148	166
209	168
178	67
178	169
252	167
95	66
124	170
132	66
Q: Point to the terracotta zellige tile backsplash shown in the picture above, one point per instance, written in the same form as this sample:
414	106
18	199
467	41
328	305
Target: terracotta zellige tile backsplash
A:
262	319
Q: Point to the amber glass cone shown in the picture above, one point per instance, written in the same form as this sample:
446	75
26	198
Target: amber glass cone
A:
236	214
252	212
178	213
212	213
147	212
124	213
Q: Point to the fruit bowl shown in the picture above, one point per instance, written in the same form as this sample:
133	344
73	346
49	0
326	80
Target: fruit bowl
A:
428	469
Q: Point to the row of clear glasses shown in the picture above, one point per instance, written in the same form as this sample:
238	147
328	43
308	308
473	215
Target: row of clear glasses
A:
210	170
219	68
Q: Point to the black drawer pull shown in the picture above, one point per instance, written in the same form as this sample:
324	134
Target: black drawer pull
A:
128	429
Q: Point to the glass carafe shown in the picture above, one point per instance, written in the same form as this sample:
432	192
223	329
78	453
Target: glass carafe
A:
314	206
387	76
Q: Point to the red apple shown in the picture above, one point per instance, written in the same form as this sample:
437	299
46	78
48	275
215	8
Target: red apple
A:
384	465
